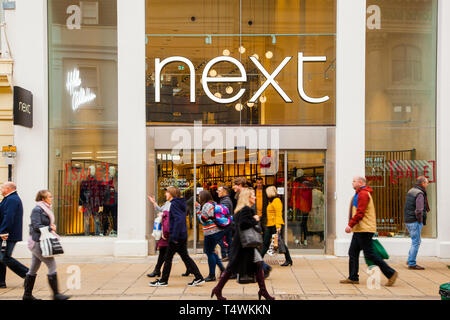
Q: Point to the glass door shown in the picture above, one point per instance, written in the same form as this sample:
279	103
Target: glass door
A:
305	201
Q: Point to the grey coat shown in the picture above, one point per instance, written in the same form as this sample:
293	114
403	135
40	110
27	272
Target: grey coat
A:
39	219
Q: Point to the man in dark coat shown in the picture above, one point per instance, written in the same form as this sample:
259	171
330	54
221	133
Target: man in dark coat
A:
11	217
415	210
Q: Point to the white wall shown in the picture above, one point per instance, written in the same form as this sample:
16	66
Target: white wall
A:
350	107
27	34
132	131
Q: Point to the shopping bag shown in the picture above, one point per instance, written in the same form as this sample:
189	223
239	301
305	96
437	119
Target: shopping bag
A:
157	228
379	250
49	243
281	245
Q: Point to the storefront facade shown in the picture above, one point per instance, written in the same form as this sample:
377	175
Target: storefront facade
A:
133	97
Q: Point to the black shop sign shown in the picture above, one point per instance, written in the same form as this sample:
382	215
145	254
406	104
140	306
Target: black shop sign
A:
23	107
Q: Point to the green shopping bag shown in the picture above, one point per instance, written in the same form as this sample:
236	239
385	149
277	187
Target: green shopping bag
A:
379	250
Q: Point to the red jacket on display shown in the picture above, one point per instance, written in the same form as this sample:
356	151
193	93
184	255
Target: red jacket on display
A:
301	197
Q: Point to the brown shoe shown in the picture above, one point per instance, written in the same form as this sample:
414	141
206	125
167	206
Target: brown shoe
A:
416	267
392	279
349	281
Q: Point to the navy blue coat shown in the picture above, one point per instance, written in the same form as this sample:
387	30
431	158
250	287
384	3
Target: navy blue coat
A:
177	220
11	217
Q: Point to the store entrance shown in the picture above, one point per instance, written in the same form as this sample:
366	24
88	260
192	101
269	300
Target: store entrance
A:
299	177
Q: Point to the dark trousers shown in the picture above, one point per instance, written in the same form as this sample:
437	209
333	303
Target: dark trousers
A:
268	239
363	241
161	258
181	248
228	237
6	260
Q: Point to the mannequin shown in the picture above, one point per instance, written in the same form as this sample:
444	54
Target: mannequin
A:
109	217
300	202
91	200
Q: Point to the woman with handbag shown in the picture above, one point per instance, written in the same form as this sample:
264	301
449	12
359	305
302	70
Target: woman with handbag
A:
245	257
275	224
41	217
212	234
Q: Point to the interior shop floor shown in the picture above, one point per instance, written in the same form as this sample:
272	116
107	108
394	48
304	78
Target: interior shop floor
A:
311	277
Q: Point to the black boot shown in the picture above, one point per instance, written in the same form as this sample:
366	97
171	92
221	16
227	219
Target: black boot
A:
53	281
29	285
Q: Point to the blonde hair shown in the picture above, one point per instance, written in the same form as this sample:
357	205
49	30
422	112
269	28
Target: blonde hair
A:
244	199
271	192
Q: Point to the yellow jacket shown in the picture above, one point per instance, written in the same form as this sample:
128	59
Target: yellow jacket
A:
275	213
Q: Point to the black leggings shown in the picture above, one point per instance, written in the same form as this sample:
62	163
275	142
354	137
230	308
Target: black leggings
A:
161	257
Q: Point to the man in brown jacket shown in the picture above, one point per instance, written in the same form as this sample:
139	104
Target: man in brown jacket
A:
363	224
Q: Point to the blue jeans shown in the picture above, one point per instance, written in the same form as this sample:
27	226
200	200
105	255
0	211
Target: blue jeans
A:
415	230
211	242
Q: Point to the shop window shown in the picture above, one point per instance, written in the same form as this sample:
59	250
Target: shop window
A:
89	11
268	31
83	163
401	114
406	63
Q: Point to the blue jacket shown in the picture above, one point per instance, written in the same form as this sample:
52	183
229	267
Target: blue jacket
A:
11	217
177	220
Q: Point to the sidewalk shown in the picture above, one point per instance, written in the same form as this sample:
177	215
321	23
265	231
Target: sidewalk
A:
310	277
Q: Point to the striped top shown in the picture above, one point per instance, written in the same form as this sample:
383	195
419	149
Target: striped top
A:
206	219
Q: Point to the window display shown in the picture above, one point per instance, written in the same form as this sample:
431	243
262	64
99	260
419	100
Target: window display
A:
401	109
83	170
241	62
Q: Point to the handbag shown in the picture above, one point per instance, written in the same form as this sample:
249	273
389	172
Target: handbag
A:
281	245
250	238
49	243
378	250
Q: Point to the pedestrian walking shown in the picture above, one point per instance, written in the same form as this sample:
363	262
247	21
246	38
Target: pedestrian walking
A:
363	224
274	223
246	261
225	243
415	211
177	241
239	184
261	202
41	217
163	243
212	234
11	217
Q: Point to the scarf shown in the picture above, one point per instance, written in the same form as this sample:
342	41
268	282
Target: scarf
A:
47	210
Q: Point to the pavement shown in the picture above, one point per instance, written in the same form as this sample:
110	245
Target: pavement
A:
312	277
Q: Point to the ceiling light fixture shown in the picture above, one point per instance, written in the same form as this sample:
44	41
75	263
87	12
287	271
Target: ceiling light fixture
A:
269	54
239	107
241	49
229	90
213	73
226	52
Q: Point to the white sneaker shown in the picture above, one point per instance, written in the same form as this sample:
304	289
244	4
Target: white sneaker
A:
158	283
196	282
